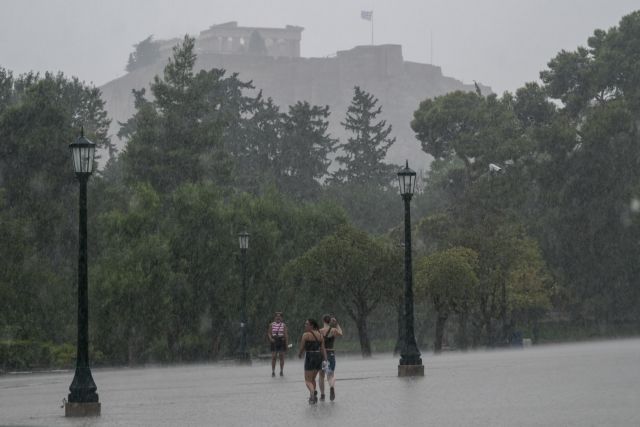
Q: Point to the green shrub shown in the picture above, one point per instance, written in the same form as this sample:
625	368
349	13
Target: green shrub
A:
24	355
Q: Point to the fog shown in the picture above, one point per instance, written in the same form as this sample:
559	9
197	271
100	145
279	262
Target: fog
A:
525	220
501	43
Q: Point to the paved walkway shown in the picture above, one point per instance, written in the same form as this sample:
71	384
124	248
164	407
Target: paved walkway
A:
592	384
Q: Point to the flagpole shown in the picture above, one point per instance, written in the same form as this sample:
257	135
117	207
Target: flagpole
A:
371	28
367	15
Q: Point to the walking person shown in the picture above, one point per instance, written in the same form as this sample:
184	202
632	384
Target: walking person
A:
312	346
279	338
329	331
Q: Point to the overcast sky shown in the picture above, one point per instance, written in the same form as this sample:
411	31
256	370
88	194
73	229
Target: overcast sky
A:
500	43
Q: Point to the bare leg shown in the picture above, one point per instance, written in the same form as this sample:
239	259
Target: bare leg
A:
332	383
273	363
321	383
310	382
281	363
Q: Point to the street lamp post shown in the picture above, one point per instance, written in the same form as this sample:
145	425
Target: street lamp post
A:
244	356
83	399
410	361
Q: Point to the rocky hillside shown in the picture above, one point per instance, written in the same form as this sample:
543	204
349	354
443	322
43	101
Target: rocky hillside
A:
381	70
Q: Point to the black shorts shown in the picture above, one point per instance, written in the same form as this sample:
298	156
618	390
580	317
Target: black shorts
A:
279	345
312	361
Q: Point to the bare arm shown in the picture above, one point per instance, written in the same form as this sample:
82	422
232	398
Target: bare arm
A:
286	336
337	330
334	329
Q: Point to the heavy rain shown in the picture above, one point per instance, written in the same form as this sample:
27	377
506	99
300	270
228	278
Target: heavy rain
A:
299	213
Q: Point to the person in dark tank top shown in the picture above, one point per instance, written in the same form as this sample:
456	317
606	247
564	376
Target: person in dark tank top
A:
312	347
329	332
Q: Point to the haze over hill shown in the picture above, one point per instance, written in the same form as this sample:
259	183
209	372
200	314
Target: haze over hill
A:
502	43
283	75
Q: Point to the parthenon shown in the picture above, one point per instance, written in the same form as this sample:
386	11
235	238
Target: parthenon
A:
230	38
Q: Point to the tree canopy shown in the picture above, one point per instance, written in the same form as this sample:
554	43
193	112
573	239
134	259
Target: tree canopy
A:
525	223
350	270
146	52
365	150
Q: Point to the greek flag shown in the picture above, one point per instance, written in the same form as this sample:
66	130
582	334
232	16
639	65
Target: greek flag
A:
367	15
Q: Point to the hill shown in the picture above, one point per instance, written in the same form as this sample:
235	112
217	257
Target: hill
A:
379	69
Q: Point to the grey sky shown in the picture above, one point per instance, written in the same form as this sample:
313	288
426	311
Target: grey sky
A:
501	43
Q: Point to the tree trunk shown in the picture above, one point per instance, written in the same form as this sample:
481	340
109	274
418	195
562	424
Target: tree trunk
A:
440	322
363	334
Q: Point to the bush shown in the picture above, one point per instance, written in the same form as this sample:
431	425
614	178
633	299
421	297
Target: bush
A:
20	355
24	355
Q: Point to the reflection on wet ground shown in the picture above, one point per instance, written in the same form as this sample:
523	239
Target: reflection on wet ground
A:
570	385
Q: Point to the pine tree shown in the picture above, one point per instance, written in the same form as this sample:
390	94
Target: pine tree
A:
179	136
364	152
305	149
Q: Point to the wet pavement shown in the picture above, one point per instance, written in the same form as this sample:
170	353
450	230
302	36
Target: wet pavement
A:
589	384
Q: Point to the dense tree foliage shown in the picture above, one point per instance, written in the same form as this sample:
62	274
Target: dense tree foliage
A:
364	151
363	184
39	117
352	271
590	235
449	279
306	146
190	151
567	151
527	217
177	137
146	52
180	274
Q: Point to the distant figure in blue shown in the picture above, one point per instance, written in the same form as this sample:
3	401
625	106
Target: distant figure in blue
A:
329	332
312	346
279	338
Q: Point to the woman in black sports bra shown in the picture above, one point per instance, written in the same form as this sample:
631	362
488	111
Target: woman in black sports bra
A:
312	345
330	331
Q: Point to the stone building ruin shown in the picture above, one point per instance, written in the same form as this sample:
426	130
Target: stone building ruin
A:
229	38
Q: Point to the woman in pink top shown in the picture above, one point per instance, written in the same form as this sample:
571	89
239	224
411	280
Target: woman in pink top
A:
279	339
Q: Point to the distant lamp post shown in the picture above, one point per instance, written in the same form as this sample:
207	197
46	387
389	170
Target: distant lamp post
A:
83	399
244	356
410	361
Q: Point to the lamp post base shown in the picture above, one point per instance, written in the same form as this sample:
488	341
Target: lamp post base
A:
411	370
81	409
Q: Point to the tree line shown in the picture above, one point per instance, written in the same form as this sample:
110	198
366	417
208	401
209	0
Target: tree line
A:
525	223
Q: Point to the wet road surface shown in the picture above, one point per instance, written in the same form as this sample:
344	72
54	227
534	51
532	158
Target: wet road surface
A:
588	384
